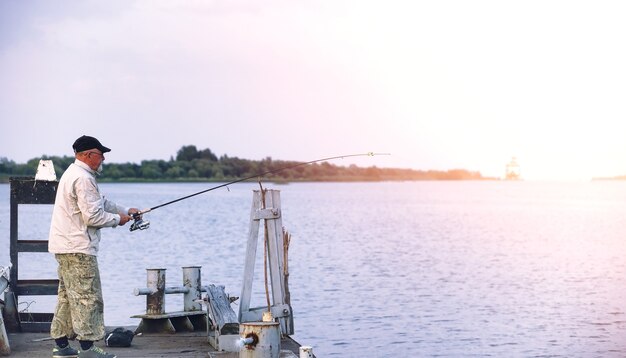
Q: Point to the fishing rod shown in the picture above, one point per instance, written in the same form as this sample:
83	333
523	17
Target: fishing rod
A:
140	224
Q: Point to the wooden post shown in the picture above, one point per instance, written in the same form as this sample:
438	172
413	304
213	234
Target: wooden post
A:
286	240
267	207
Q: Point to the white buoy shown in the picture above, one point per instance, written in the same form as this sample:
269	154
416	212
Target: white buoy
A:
262	338
306	352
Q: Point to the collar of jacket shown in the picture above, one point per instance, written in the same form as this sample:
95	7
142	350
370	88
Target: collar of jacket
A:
85	166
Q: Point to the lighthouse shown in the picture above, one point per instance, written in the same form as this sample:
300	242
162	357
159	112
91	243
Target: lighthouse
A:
512	170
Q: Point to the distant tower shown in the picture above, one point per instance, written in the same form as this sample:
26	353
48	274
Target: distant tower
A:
512	171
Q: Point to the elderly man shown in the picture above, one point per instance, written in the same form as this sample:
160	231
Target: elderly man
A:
79	213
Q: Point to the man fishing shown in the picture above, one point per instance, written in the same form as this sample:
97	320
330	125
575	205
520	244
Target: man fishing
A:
80	211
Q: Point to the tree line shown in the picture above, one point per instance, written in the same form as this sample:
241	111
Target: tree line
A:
191	164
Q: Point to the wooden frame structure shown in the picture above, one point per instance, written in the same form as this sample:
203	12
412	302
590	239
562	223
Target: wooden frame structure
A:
266	207
27	190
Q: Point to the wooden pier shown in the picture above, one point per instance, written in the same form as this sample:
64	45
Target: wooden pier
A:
193	332
183	345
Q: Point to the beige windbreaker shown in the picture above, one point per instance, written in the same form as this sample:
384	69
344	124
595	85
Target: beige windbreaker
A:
79	212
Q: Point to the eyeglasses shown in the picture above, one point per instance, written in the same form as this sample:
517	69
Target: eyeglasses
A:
100	154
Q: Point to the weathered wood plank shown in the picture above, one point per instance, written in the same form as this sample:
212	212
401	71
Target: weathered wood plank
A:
251	250
221	313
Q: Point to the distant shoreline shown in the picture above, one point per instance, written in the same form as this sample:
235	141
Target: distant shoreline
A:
5	180
193	165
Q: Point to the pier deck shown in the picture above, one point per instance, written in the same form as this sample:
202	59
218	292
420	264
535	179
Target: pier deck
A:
184	345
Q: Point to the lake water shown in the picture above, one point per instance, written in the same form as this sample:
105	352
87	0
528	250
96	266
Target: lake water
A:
392	269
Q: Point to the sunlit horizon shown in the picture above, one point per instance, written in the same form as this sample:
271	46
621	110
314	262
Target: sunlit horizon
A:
439	85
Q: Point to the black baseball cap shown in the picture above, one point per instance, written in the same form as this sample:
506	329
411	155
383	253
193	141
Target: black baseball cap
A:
86	142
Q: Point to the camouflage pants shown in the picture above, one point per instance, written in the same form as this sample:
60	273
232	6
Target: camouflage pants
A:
80	307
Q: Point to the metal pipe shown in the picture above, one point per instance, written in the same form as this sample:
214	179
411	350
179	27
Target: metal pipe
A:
265	339
193	283
176	289
167	290
155	301
245	341
155	291
143	291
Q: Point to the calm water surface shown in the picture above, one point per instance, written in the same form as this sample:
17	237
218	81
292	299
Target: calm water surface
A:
415	269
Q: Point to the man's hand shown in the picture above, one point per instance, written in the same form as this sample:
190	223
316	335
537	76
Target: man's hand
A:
132	211
124	219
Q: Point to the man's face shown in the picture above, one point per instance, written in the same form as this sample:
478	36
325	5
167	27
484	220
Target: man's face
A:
94	159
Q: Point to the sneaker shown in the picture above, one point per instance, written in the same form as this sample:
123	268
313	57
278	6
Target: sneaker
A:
94	352
67	352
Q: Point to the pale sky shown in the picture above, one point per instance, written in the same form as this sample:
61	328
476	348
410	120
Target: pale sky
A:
438	84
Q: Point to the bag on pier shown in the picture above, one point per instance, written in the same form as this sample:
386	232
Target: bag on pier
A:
119	337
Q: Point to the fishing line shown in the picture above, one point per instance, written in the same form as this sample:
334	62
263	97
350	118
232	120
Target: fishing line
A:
141	225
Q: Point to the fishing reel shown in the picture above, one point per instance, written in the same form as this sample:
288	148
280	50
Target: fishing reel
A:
139	223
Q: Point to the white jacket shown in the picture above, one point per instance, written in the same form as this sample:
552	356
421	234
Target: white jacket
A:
79	212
